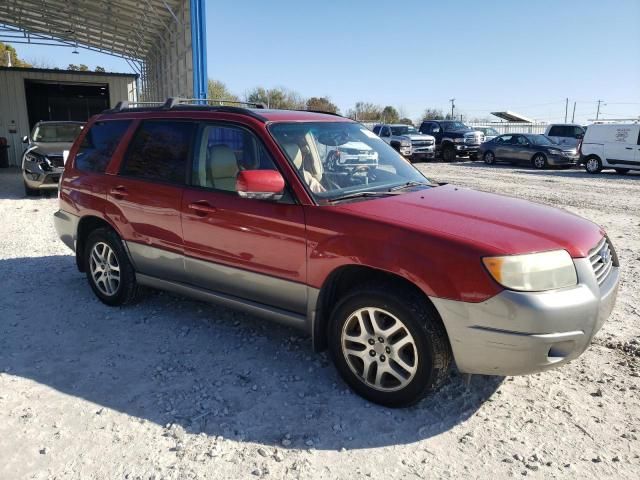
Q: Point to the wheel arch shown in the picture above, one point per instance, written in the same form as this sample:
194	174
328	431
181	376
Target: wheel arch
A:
86	225
342	280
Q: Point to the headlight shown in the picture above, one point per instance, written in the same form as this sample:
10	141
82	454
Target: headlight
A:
533	272
555	152
405	143
458	140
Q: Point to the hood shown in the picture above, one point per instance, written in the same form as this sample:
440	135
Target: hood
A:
493	223
417	136
54	148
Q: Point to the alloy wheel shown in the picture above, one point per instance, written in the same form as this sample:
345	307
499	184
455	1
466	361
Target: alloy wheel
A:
379	349
488	158
105	269
592	165
538	161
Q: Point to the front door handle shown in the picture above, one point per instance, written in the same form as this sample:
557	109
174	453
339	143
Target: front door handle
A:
629	148
119	192
202	208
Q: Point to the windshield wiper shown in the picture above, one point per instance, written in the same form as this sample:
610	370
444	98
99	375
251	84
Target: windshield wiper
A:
413	183
370	193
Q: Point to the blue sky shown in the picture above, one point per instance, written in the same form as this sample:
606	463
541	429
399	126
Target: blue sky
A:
521	56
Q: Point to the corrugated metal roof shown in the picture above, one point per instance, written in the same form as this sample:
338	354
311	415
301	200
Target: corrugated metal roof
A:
128	28
512	117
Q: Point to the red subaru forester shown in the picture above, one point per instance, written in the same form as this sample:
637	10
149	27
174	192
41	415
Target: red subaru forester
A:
311	220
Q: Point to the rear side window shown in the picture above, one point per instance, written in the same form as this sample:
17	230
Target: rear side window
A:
98	145
159	151
557	131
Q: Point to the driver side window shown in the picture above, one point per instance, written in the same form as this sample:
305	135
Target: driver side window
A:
385	132
222	152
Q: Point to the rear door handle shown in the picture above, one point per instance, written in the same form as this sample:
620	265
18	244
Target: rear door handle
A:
629	148
202	208
119	192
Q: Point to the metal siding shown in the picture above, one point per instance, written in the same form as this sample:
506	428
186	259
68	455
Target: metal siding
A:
13	103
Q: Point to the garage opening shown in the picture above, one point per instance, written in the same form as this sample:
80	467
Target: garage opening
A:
64	101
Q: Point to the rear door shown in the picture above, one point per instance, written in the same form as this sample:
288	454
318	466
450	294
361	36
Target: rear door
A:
247	248
503	147
620	147
522	150
145	197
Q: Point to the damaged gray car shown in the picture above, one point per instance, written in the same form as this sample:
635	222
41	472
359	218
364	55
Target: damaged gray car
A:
43	159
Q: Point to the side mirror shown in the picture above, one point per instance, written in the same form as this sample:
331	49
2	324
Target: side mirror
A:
260	184
25	139
579	136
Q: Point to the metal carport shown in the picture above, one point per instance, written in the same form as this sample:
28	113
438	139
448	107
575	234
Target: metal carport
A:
164	41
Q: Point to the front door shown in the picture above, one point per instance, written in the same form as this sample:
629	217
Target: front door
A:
246	248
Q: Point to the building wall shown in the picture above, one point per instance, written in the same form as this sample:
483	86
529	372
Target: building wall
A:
168	69
13	104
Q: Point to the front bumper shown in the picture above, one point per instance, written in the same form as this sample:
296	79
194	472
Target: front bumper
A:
466	148
37	178
563	160
516	333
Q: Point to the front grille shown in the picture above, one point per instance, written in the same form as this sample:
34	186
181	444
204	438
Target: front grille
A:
56	160
602	258
473	139
422	143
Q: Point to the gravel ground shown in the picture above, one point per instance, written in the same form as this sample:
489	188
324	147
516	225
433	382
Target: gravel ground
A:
172	388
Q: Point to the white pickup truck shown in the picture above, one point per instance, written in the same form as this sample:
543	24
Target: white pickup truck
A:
407	140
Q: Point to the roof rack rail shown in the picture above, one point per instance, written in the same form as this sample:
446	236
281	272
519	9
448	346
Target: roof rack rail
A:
322	111
176	103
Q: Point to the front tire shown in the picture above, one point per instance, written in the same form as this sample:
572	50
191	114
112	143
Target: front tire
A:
539	161
389	345
593	165
108	269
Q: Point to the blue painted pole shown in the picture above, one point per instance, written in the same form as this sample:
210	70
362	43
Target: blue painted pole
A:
199	48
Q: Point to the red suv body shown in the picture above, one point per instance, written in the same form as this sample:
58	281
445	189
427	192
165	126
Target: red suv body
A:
252	208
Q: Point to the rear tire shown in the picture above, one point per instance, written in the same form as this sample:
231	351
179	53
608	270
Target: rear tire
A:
539	161
408	340
622	171
489	158
593	165
108	269
448	153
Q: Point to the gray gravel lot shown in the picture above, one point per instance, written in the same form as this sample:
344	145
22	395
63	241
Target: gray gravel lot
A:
172	388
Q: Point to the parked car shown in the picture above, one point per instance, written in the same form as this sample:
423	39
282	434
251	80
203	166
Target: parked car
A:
396	275
568	134
530	149
43	159
407	140
453	138
489	133
613	145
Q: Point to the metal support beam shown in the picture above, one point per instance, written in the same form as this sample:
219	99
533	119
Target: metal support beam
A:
199	48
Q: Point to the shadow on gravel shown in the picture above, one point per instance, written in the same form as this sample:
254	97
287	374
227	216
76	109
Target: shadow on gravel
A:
170	360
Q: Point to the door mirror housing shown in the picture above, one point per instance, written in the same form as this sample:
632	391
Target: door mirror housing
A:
260	184
25	139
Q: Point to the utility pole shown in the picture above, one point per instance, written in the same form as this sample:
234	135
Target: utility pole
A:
598	112
452	107
573	115
566	110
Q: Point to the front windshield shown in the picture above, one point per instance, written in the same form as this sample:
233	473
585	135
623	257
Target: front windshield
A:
343	158
456	126
540	140
403	130
56	132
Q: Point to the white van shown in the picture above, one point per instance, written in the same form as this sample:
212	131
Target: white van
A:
613	145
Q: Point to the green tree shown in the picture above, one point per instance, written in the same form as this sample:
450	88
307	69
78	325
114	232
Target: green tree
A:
279	97
433	114
100	69
406	121
390	114
83	68
365	112
217	90
7	52
321	104
73	66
